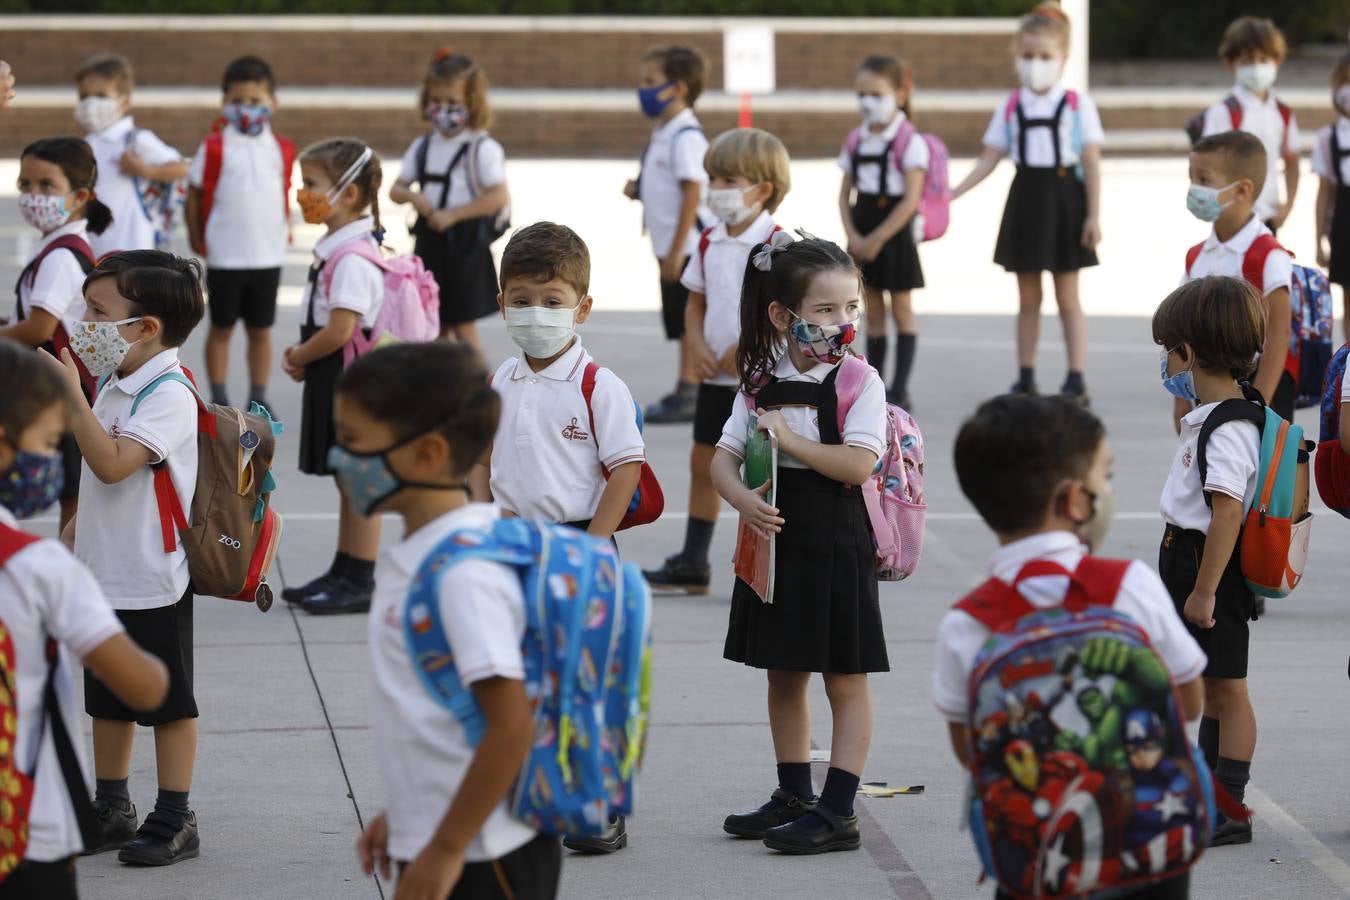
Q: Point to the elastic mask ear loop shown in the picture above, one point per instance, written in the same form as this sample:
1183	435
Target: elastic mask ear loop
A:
350	175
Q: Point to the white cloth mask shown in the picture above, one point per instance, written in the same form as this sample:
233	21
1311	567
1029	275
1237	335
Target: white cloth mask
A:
97	113
877	110
728	204
1257	77
541	332
1039	75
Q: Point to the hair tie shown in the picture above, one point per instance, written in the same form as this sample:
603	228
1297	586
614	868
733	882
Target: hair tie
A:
442	54
777	243
378	234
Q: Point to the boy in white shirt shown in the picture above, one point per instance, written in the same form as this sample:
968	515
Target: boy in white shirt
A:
128	156
141	307
50	607
237	219
412	419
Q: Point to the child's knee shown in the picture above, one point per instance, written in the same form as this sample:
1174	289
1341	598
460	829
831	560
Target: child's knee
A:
787	683
839	687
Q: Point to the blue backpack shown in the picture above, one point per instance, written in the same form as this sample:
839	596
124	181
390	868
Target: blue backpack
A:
1310	300
587	654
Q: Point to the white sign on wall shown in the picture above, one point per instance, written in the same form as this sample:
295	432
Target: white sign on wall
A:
748	60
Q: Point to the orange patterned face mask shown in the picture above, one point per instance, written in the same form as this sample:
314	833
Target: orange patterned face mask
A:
314	206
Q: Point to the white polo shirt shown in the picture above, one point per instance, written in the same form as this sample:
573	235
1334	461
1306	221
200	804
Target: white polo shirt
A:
674	156
358	284
247	228
117	526
1321	152
420	747
545	460
875	143
1225	258
1261	118
488	157
864	426
131	228
57	287
45	592
719	275
1001	135
1142	597
1232	458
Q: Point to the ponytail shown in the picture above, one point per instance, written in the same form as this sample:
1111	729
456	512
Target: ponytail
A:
97	215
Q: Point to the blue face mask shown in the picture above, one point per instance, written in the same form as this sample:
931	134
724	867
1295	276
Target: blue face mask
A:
248	118
1203	202
31	484
367	479
652	104
1180	385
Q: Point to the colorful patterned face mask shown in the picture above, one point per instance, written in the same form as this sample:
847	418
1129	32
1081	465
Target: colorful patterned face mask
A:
823	343
32	483
100	345
448	119
248	118
45	212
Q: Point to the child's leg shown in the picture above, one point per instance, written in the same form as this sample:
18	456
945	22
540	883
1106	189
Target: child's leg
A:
1074	323
906	342
467	333
1237	731
876	328
704	503
1028	326
218	360
790	718
259	361
69	505
850	740
175	754
112	749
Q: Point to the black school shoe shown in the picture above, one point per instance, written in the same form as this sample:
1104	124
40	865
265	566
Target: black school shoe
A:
116	827
1231	831
783	807
1080	396
1028	390
614	837
342	596
680	574
671	409
298	595
162	841
820	832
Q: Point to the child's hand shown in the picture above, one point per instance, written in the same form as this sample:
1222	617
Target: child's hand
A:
372	847
774	421
288	365
703	359
6	83
867	248
1199	609
132	164
727	365
672	266
70	374
431	876
1092	233
1323	256
759	517
441	220
629	189
422	205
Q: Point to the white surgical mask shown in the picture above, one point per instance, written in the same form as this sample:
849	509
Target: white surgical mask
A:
1039	75
1342	96
728	204
100	345
97	113
541	332
45	212
877	110
1257	77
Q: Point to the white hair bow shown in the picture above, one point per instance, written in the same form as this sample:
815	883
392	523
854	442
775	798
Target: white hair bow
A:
777	243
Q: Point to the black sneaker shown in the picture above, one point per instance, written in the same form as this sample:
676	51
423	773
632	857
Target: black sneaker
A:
783	807
1079	396
614	837
1029	390
671	409
1231	831
341	596
162	841
116	826
297	595
680	574
819	831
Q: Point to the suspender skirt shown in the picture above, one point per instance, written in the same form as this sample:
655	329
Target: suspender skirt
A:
317	433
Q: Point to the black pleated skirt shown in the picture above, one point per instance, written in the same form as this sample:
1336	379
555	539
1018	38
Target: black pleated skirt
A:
896	267
317	434
1042	226
825	616
1339	271
460	259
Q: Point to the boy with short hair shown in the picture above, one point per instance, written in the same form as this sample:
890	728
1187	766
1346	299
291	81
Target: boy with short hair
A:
1227	171
1053	505
126	155
142	305
237	220
1253	49
671	185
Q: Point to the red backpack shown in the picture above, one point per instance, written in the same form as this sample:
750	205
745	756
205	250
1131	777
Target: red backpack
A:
215	158
648	501
84	255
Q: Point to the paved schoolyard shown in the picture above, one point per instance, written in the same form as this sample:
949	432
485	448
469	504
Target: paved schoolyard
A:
285	767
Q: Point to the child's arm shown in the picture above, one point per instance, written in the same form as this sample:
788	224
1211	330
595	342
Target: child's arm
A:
897	221
111	459
34	331
1326	198
615	499
701	356
1291	161
673	261
1277	343
495	765
403	192
762	518
846	211
488	203
196	228
1224	526
134	164
342	324
137	679
840	462
1092	182
480	478
960	738
1192	698
987	162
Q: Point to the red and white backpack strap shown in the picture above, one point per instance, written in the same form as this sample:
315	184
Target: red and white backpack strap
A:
12	540
1254	260
1192	255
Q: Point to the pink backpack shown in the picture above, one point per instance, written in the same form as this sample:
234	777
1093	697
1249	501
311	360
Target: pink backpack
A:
935	204
411	311
893	495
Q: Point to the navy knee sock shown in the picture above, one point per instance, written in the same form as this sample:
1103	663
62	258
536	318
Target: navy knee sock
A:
840	789
1234	774
876	354
1209	741
1026	377
796	778
905	347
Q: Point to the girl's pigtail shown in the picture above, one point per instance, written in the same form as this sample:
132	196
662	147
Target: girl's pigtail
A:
755	357
98	216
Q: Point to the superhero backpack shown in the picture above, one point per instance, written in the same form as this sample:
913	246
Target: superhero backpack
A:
214	160
411	311
162	202
84	255
587	655
1274	541
1083	777
232	535
934	212
648	500
1333	463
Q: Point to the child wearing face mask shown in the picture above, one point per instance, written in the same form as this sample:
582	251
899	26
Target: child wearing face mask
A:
455	178
1055	509
56	196
1253	49
126	155
885	161
1051	222
799	315
749	177
1209	330
341	185
238	211
1331	162
141	305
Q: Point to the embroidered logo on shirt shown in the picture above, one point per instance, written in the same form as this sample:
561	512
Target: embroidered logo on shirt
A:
575	432
1186	459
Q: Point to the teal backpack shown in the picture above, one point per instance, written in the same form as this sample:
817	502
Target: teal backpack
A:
587	654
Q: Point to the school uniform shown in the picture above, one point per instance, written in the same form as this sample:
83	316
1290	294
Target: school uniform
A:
549	451
131	228
118	536
420	747
718	274
358	286
1232	457
1042	225
1331	161
451	172
673	156
246	232
1263	119
825	615
879	186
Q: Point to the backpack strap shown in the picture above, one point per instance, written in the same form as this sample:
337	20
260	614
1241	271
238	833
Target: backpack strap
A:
587	391
12	540
288	154
853	141
172	517
66	758
849	384
704	240
903	136
998	605
357	246
1254	260
1286	114
214	147
1235	112
1225	412
1192	255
